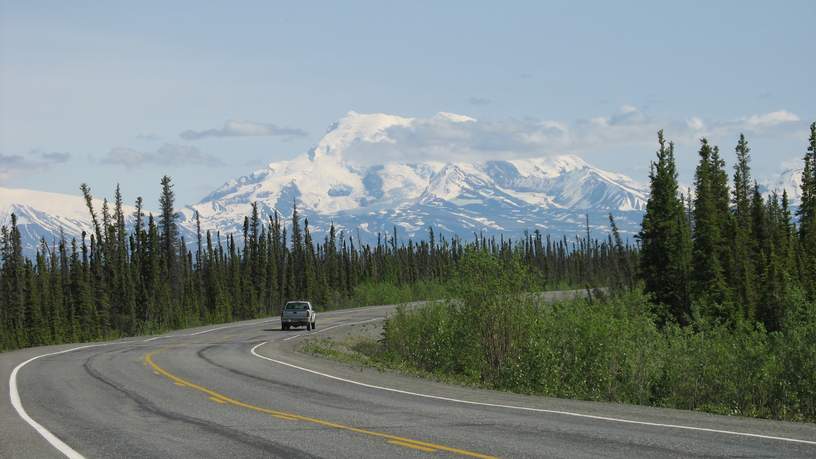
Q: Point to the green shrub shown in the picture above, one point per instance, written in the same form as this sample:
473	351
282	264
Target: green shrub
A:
369	294
612	350
718	369
796	354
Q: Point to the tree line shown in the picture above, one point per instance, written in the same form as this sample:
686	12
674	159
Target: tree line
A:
727	322
724	251
146	277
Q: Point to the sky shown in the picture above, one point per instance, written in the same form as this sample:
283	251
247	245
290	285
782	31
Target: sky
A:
125	92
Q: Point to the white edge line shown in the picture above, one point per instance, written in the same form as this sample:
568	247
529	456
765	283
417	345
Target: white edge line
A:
14	395
58	444
524	408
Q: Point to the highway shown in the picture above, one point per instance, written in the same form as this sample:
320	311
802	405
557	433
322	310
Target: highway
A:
240	390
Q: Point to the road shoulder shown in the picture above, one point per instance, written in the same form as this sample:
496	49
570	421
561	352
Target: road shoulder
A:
292	352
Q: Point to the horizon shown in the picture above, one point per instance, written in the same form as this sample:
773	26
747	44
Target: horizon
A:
210	94
353	158
583	228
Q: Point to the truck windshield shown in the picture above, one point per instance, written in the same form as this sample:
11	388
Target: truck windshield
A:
297	306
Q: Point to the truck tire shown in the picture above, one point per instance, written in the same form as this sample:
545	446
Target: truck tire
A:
308	326
314	325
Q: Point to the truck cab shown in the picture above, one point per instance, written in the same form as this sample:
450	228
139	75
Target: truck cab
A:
298	313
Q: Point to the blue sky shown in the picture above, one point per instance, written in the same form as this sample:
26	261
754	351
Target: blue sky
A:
108	92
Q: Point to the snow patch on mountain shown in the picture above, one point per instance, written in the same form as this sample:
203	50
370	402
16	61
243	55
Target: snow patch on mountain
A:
789	180
462	197
330	184
42	214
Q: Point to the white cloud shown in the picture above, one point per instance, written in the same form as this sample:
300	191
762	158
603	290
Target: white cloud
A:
239	128
456	137
772	123
771	119
629	109
448	136
695	124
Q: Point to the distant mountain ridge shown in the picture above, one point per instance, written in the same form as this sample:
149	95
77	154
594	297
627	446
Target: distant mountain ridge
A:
789	180
551	194
42	214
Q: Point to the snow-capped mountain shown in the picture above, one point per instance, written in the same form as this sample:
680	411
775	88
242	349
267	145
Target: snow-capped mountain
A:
42	214
789	180
551	193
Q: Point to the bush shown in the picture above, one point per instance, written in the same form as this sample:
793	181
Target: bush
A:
795	350
613	350
369	294
718	369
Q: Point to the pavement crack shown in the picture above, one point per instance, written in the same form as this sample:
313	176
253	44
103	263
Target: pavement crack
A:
269	448
300	391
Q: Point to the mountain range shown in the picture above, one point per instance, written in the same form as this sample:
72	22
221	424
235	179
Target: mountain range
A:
550	194
553	194
46	215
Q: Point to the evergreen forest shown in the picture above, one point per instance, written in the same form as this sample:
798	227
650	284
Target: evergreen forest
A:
711	306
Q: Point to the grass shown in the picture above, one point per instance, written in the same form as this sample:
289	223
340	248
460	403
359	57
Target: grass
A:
610	350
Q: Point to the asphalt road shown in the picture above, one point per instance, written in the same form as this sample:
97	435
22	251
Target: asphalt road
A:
219	392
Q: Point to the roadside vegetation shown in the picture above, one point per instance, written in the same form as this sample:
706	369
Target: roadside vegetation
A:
613	348
714	309
721	316
121	281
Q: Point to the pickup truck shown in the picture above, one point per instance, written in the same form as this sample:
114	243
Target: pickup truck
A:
298	314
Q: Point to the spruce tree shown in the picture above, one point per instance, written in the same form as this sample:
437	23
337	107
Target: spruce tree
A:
743	275
86	193
807	218
167	223
310	287
14	285
168	236
761	235
295	271
770	309
39	300
664	238
621	268
709	288
138	216
84	292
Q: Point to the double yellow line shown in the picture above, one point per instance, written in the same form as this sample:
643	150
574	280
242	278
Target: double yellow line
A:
391	439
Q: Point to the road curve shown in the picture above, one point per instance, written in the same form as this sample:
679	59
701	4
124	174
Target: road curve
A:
239	390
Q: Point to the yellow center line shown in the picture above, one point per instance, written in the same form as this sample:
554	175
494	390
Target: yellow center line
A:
411	445
148	359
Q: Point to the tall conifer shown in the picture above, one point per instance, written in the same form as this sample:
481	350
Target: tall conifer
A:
664	238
